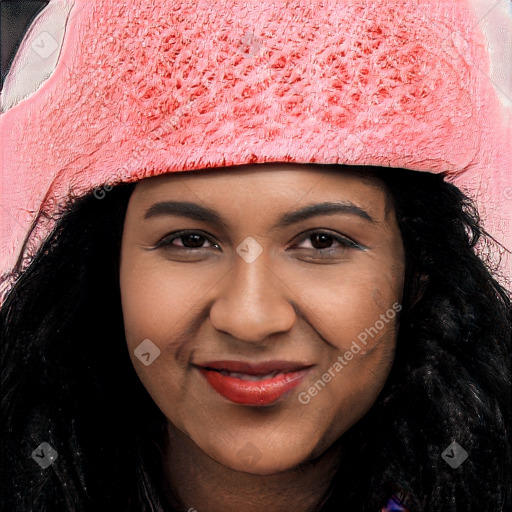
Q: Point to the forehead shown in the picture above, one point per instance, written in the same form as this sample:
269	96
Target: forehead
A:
278	188
273	179
288	176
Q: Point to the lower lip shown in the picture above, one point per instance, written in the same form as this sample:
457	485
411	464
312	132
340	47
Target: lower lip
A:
261	392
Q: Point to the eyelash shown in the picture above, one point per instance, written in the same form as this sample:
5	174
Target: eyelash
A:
166	242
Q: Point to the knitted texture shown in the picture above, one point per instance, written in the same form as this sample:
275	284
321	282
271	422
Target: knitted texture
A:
145	88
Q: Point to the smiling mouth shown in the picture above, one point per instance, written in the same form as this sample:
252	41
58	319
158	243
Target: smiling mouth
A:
257	384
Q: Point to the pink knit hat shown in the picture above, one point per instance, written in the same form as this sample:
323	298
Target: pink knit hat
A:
139	88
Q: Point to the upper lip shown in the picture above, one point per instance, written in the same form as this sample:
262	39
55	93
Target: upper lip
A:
262	368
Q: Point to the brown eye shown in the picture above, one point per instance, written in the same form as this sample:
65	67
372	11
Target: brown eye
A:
320	245
193	240
190	240
321	241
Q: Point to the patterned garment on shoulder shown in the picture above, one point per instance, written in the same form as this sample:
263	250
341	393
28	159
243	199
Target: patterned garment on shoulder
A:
394	505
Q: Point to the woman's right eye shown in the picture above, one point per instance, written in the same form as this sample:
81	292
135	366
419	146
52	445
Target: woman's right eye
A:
190	241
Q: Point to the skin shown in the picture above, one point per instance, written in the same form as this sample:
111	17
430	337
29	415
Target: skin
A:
293	302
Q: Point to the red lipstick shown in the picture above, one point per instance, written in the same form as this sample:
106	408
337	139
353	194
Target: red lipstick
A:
253	384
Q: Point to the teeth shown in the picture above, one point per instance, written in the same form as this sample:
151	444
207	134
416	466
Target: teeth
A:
244	376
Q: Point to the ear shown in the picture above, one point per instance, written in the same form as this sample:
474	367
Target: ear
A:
419	285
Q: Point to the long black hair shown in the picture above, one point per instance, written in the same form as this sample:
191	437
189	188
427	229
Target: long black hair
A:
67	378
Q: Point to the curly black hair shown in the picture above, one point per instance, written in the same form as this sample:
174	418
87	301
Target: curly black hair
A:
67	378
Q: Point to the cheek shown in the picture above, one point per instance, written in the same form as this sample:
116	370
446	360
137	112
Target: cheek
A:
356	311
148	309
138	302
346	306
156	298
153	310
357	316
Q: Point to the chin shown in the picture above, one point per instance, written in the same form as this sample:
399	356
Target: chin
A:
259	458
266	465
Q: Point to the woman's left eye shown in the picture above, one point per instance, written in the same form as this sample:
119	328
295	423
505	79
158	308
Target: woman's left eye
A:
323	241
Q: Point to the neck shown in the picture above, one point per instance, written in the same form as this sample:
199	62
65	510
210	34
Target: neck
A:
198	482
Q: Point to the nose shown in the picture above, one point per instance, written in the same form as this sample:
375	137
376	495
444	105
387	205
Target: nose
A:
252	302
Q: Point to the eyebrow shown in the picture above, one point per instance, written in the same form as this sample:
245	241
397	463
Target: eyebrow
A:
201	213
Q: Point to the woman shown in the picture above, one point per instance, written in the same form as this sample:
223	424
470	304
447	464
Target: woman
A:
71	383
269	369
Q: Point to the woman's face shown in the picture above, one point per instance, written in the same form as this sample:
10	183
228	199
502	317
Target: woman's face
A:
267	272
